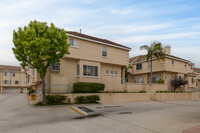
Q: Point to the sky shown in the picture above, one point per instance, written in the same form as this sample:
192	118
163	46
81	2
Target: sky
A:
129	22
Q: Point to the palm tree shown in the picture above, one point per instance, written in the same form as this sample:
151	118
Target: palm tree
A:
155	50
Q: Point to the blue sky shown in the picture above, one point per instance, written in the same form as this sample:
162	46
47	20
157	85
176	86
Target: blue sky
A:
130	22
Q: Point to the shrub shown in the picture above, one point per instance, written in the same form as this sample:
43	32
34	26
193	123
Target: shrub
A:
142	91
87	99
160	81
81	87
56	98
30	91
178	82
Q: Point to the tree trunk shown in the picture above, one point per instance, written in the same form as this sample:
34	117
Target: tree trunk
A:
151	70
43	89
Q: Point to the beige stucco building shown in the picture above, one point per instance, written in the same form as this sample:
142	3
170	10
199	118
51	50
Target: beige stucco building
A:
166	69
91	59
12	77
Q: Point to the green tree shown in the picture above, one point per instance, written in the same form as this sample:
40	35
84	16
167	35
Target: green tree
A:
39	45
155	50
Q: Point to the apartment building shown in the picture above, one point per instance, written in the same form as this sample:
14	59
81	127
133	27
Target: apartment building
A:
166	69
197	71
91	59
12	77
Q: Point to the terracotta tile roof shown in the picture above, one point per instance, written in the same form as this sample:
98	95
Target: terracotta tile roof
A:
143	58
95	39
10	68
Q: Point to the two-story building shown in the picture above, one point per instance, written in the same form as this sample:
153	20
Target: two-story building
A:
197	71
91	59
12	77
166	69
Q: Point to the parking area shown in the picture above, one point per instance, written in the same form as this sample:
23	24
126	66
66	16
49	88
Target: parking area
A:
17	116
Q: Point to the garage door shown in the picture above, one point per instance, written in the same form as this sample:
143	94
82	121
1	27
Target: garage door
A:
11	90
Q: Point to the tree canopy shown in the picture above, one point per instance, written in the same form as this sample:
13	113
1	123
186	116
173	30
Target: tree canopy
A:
39	45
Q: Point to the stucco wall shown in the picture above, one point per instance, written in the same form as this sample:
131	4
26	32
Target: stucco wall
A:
93	51
175	96
115	97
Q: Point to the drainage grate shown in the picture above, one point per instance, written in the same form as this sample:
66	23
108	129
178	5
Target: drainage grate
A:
85	109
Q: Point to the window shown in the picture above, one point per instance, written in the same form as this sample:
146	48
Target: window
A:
107	72
28	68
140	80
78	69
149	64
139	66
181	77
172	62
55	67
73	42
6	73
115	73
33	72
104	51
6	81
90	71
13	74
16	82
111	72
191	67
155	78
193	80
185	65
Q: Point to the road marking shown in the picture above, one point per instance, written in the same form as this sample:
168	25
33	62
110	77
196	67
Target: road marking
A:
81	112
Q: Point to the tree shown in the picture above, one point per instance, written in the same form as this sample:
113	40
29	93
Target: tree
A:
178	82
127	73
39	45
155	50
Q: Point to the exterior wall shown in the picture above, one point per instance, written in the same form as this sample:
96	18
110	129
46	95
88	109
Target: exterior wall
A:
93	52
115	97
178	66
156	66
176	96
20	76
87	53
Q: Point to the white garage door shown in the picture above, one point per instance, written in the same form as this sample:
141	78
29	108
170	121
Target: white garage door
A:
11	90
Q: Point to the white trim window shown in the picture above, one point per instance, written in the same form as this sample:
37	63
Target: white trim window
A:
33	72
16	82
107	72
55	67
111	72
139	66
115	73
13	74
173	62
7	82
73	42
104	51
78	70
6	73
91	71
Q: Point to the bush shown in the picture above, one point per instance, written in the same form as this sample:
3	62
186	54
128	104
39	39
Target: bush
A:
81	87
87	99
160	81
56	98
30	91
142	91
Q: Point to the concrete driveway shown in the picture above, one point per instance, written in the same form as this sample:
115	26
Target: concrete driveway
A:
16	116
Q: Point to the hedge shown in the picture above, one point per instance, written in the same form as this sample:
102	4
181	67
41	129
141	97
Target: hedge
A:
87	99
82	87
56	98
